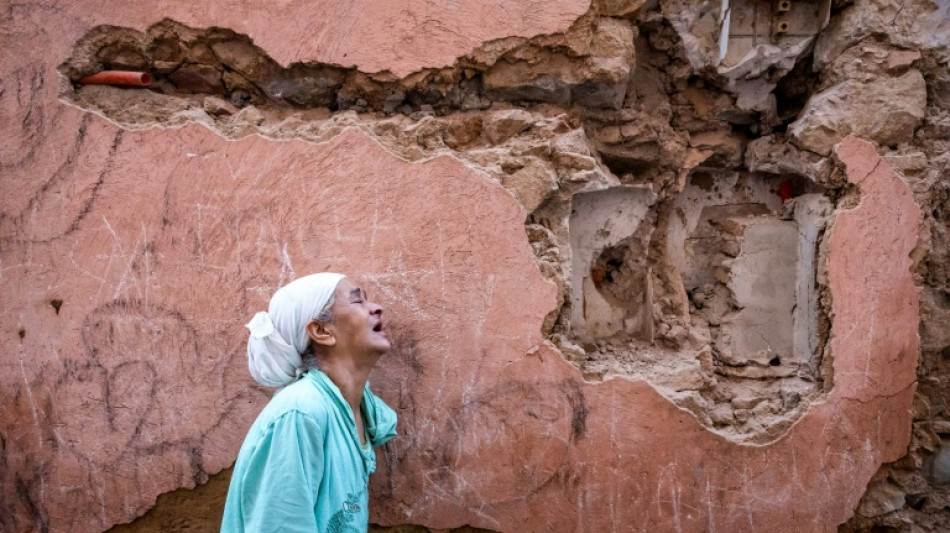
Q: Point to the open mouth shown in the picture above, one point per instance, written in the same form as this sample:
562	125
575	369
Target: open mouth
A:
378	327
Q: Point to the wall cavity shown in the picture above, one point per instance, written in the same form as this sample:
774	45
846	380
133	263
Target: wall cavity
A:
712	295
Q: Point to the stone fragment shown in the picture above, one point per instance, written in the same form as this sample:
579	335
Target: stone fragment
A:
726	148
935	311
865	61
306	87
685	378
164	67
201	79
245	58
746	402
940	90
756	95
638	131
730	248
463	131
774	155
912	25
501	125
755	103
250	115
697	26
900	60
646	143
721	414
597	78
885	110
574	161
609	135
940	467
531	185
218	107
200	53
881	498
618	8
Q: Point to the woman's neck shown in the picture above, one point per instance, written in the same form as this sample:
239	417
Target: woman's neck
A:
348	376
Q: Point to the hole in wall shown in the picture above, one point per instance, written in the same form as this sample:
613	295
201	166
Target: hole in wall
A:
793	90
711	296
222	71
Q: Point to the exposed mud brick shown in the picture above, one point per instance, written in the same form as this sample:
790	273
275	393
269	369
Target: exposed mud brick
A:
921	25
531	185
772	154
726	148
598	78
618	8
306	87
503	125
197	79
886	110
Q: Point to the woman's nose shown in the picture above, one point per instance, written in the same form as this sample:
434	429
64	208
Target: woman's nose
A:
376	309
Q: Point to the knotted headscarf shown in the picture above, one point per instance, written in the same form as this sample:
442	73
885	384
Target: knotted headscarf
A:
279	335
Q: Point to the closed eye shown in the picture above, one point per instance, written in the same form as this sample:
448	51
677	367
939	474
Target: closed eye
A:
357	296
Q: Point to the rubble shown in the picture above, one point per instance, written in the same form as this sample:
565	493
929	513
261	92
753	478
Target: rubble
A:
884	110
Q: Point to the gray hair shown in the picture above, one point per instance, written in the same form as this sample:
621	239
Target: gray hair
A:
325	316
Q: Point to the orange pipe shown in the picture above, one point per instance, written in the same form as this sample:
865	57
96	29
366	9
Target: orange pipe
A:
118	77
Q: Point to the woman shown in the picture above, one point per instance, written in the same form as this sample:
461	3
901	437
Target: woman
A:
306	461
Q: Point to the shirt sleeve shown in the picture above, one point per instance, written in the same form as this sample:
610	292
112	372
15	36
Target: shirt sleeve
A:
282	480
381	419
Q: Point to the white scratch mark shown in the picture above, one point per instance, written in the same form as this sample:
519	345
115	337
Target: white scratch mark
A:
286	264
29	393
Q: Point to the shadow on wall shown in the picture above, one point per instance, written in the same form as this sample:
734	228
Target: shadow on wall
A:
199	510
195	510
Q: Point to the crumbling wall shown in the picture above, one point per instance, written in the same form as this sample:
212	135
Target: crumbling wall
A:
639	259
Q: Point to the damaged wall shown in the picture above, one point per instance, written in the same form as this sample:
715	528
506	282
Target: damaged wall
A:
650	265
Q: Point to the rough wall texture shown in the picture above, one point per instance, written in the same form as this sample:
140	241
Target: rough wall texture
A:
651	266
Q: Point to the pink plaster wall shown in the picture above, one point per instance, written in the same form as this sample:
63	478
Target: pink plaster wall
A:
161	243
372	35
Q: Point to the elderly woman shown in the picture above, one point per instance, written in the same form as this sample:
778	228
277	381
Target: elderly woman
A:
306	461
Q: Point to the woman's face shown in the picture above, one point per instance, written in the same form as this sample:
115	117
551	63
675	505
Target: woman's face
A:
357	322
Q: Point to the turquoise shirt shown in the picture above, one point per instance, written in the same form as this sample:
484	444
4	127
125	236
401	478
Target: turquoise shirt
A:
302	466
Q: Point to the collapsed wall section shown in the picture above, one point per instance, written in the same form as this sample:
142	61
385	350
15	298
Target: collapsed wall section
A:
650	275
730	329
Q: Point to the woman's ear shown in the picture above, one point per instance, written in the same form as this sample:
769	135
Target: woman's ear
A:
320	334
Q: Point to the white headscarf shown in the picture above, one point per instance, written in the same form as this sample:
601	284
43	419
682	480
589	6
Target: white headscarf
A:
279	335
